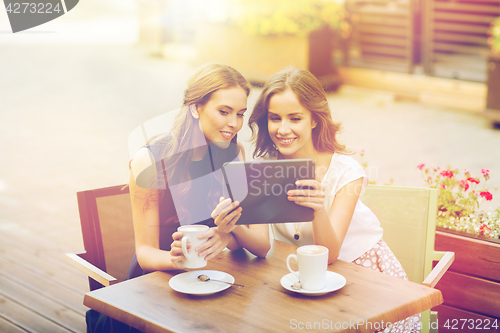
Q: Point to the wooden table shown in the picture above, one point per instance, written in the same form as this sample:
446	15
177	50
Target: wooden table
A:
368	300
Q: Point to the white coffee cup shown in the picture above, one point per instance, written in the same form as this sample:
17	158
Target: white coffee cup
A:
313	264
190	234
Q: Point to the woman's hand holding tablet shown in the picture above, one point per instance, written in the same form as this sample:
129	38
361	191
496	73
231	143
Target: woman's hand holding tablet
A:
310	193
226	214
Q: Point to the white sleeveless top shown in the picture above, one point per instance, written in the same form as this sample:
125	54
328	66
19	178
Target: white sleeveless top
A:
364	230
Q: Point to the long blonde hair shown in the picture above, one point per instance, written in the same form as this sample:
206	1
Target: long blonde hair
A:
311	95
177	153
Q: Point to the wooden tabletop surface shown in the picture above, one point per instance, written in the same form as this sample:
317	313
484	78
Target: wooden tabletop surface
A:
368	301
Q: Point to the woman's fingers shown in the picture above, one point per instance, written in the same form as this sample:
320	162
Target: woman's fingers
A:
307	182
217	250
313	198
205	246
228	215
177	245
214	245
231	224
224	207
176	255
306	193
222	223
313	205
209	233
306	199
316	189
177	236
208	247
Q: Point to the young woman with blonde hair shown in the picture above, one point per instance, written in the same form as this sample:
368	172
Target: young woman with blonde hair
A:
186	186
176	180
292	120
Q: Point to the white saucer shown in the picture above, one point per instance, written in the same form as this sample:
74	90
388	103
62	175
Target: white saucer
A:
188	282
334	281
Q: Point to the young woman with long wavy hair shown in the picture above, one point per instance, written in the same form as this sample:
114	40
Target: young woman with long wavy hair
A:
291	120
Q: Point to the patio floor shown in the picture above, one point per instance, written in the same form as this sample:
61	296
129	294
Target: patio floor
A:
66	110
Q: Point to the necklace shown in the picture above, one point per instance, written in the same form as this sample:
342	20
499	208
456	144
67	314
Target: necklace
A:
296	235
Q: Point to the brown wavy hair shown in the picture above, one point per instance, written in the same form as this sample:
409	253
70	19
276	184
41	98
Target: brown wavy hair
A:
312	96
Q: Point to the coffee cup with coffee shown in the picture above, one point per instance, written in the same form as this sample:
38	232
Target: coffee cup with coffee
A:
313	264
190	234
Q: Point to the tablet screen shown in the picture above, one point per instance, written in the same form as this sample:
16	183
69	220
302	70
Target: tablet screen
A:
261	188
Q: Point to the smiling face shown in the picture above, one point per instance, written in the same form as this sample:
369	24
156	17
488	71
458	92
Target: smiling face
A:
290	126
222	116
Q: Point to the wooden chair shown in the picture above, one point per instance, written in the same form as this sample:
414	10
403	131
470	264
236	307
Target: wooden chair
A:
108	235
408	217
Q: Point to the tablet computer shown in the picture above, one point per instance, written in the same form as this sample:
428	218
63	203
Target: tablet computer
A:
261	188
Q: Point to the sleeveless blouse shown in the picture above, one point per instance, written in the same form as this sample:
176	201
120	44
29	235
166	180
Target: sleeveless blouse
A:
364	230
181	201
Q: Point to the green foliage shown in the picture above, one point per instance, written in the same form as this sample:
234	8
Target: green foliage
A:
487	224
287	17
494	36
459	200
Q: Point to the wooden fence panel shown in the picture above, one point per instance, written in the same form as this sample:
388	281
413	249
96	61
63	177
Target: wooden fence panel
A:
471	286
455	36
382	36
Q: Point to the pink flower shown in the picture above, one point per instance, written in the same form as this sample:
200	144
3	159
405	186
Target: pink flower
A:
484	229
447	173
443	186
473	180
466	171
464	185
420	166
487	195
485	172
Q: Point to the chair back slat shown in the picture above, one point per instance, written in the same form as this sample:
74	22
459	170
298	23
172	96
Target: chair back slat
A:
107	229
117	233
405	215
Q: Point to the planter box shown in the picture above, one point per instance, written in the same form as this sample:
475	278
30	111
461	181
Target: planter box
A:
255	57
259	57
471	287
